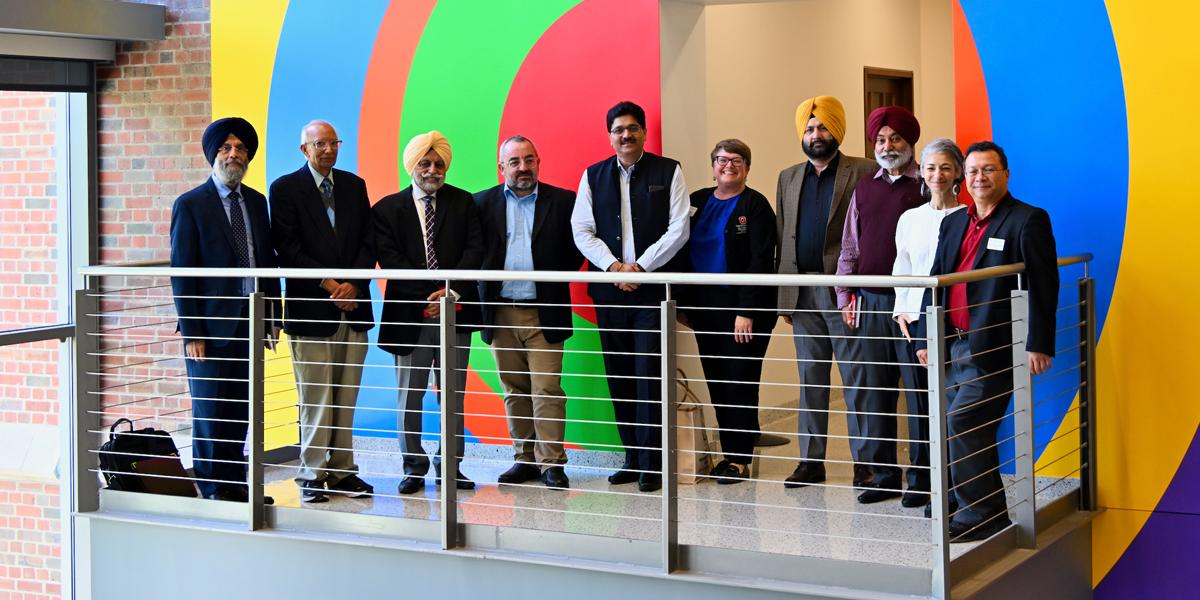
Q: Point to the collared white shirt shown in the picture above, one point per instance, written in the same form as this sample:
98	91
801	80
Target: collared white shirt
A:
916	246
317	179
419	201
583	222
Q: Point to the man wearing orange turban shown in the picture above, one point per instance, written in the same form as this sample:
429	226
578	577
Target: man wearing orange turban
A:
811	200
429	225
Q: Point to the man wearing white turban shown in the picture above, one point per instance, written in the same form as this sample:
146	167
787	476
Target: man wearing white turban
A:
428	225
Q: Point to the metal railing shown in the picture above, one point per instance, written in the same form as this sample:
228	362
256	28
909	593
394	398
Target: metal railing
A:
131	364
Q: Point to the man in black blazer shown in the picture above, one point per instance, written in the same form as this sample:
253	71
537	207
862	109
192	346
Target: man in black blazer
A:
321	219
527	226
429	225
221	224
996	230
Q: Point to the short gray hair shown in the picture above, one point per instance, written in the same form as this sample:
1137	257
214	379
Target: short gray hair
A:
516	139
304	130
949	148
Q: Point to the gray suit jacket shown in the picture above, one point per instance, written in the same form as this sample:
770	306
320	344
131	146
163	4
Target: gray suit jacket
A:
787	199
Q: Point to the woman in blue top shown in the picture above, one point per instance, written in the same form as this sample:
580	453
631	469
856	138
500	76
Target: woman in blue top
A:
732	231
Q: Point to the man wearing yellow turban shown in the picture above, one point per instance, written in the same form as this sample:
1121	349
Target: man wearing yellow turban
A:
428	225
811	204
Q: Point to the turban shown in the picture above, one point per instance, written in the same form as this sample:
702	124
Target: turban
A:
420	145
828	110
898	118
216	134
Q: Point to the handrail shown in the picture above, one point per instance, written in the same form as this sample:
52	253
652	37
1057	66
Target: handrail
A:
30	335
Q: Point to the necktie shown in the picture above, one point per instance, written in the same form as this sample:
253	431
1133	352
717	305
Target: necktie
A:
327	197
430	217
238	223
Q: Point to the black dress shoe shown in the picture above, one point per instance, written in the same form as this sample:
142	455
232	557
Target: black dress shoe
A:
720	468
411	484
556	477
649	482
313	492
914	498
732	474
806	473
862	476
352	486
461	481
519	473
929	509
961	532
236	494
880	494
625	475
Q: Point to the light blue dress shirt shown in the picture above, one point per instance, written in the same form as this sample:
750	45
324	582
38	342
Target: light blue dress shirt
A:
519	235
223	191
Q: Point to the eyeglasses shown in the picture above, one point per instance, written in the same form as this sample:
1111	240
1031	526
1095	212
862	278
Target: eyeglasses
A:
986	171
516	162
618	130
324	144
227	148
736	161
426	164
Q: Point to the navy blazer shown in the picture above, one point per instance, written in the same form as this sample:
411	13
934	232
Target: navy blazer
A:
1027	237
553	249
400	244
201	237
304	239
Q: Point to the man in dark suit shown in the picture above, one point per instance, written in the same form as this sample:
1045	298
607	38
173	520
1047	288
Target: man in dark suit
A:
996	230
221	224
321	219
429	225
812	198
631	215
526	227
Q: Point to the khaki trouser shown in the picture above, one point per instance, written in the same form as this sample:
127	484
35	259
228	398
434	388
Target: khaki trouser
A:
328	373
531	373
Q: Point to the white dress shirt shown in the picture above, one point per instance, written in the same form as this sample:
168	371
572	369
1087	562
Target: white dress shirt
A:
916	245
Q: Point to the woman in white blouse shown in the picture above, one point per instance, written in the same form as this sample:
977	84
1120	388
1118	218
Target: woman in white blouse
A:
916	244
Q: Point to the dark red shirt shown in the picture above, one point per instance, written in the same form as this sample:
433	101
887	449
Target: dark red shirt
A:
957	312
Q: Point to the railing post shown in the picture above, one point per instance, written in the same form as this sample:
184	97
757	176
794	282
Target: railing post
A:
86	484
1087	394
1024	487
939	471
670	481
449	422
259	315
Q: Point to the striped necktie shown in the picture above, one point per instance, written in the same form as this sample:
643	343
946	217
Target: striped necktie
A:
430	220
327	198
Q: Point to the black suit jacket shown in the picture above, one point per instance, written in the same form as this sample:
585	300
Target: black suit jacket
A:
201	237
400	244
750	247
304	239
1028	238
553	249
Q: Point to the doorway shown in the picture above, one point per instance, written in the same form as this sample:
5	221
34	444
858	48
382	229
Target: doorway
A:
885	87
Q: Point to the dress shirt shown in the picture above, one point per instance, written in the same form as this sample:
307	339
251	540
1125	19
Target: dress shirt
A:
848	259
812	217
223	191
957	311
419	202
317	179
518	256
916	247
583	221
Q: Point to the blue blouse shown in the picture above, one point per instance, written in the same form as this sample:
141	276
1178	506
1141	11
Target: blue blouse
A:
708	235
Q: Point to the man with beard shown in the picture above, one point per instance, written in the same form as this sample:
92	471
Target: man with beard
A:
812	198
221	224
429	225
869	248
631	215
321	219
527	227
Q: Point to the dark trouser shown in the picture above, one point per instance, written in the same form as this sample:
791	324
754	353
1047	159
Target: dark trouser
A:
976	399
632	360
220	410
879	424
725	361
916	384
413	372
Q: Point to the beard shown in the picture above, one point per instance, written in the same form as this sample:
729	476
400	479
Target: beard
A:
894	160
230	172
820	149
522	182
430	184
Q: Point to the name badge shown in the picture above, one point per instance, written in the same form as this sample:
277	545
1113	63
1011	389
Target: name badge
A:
995	244
692	211
741	228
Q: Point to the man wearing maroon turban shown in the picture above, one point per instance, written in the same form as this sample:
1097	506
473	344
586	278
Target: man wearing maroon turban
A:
869	248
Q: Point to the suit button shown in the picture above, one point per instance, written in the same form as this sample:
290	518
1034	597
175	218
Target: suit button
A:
618	237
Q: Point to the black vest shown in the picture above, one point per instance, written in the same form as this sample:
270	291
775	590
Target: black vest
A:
650	208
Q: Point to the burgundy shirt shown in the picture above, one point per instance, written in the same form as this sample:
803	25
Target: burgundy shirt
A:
957	311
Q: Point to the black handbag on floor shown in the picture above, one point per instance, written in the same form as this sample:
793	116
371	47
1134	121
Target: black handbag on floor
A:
144	460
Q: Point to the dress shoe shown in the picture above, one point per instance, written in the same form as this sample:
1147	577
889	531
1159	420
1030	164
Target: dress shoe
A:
732	474
914	498
313	492
352	487
953	508
649	482
862	476
556	477
236	494
961	532
627	474
806	473
718	469
873	495
411	484
461	481
519	473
